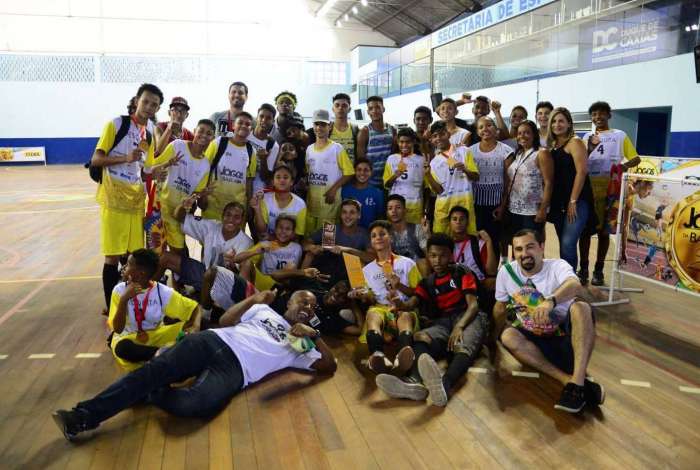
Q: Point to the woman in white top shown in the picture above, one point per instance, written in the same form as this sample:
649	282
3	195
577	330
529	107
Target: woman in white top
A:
490	156
529	182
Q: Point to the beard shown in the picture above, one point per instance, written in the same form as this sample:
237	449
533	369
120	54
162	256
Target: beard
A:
527	263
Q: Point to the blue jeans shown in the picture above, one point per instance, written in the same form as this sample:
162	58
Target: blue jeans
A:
569	233
204	355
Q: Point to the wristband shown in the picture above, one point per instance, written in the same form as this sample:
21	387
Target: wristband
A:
573	201
553	299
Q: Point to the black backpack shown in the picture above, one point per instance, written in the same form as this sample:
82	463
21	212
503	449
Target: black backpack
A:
223	142
96	171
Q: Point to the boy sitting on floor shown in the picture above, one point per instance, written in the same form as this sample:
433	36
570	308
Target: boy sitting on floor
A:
458	329
146	315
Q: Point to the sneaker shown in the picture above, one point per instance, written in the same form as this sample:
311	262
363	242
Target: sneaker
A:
401	388
573	398
598	278
595	393
404	360
378	363
71	423
432	378
583	276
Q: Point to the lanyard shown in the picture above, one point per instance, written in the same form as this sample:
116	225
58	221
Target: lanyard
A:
461	250
140	310
142	129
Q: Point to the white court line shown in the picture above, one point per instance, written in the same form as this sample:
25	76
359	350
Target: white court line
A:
70	209
693	390
530	375
478	370
635	383
50	279
87	355
41	356
3	356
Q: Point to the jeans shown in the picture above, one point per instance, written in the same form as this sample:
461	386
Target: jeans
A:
569	233
204	355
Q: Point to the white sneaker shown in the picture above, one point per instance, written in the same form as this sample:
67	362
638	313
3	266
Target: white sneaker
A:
399	388
432	378
378	363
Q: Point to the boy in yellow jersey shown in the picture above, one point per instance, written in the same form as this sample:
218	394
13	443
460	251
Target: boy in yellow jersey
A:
404	174
269	205
264	261
233	168
606	147
121	193
328	168
343	131
146	315
451	172
187	173
391	279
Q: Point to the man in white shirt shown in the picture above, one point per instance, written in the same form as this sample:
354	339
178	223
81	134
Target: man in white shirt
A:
548	327
254	341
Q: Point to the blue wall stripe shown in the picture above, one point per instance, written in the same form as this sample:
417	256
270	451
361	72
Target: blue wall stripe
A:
60	149
684	144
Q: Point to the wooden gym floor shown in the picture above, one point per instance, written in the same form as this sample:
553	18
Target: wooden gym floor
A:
53	353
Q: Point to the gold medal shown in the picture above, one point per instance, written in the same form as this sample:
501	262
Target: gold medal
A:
143	145
682	242
451	162
402	166
142	336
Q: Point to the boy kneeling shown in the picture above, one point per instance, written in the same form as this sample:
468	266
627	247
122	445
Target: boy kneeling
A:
448	296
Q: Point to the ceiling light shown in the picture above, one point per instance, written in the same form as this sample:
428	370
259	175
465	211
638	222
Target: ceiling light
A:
687	29
325	7
339	24
354	10
346	17
363	2
694	27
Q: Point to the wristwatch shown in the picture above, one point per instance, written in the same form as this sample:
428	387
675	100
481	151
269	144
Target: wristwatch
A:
552	299
317	335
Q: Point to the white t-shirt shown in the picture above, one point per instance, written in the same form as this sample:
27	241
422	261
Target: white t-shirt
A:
281	257
260	343
258	183
553	274
614	147
410	184
457	138
463	255
404	268
208	233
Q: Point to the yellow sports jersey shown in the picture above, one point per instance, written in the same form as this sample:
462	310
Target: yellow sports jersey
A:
162	301
409	184
345	139
187	177
325	166
122	187
614	147
404	268
229	177
456	188
270	209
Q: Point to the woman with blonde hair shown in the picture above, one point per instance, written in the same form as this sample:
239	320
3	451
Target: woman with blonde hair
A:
571	206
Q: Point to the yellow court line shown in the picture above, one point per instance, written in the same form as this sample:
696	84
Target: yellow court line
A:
51	210
51	279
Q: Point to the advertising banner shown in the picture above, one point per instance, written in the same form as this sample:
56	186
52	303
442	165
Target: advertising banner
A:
22	154
660	240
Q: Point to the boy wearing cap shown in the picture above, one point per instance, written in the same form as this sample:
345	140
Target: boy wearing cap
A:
328	168
166	132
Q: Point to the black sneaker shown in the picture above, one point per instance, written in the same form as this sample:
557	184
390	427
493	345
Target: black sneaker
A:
573	398
598	278
71	423
583	276
595	393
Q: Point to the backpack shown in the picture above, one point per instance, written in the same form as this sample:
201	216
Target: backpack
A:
353	129
223	142
96	171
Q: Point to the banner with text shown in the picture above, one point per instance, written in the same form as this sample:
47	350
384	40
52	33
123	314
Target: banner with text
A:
661	234
22	154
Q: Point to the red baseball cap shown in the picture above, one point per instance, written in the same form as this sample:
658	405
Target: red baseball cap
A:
179	101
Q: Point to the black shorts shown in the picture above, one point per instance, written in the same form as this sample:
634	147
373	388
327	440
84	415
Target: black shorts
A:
556	349
192	273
